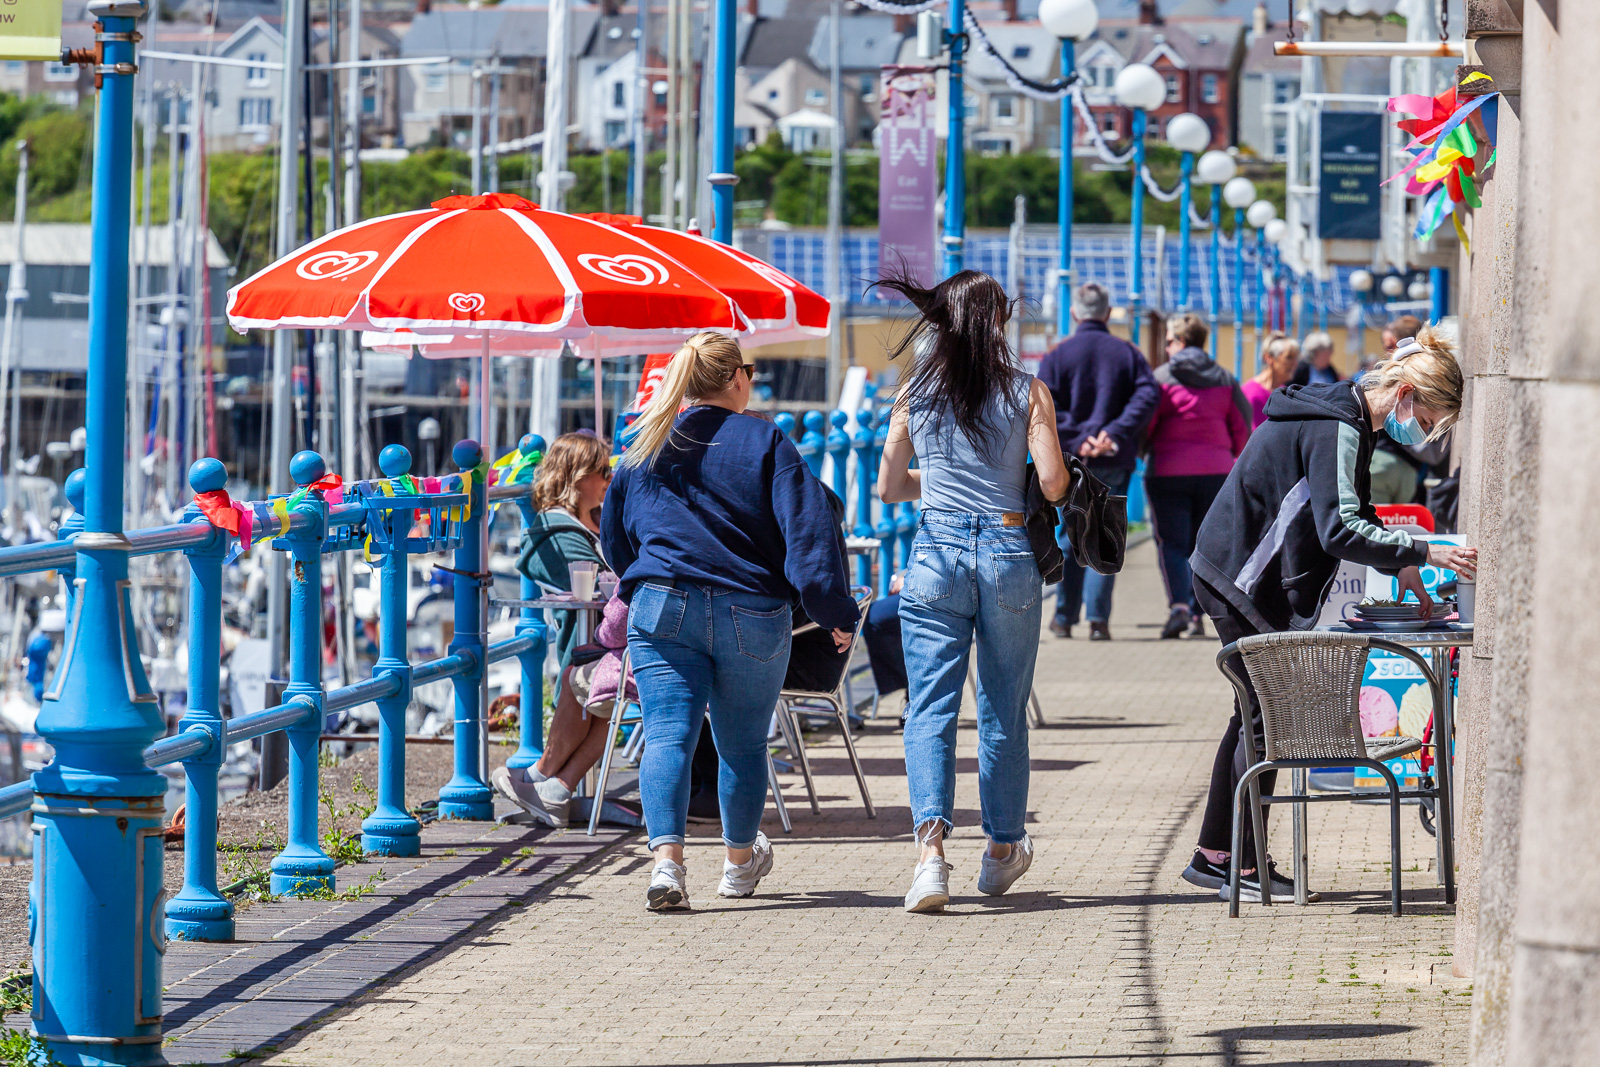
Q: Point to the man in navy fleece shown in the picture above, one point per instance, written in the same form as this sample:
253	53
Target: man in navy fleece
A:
1105	396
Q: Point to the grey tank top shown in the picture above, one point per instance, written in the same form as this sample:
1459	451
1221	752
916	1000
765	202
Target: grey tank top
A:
958	475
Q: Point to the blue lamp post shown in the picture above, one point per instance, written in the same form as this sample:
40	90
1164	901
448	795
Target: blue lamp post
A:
97	809
1258	215
955	153
1188	133
1071	21
1238	194
1139	87
722	178
1216	168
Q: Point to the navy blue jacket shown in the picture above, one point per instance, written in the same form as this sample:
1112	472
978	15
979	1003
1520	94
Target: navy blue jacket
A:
1100	382
729	503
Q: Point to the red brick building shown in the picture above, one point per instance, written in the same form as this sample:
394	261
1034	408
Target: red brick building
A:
1198	57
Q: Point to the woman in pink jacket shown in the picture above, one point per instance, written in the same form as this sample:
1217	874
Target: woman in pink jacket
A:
1200	426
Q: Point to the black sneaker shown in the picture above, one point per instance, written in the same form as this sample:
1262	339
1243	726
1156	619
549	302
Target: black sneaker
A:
1197	626
1099	631
1177	623
1060	629
1250	887
1205	874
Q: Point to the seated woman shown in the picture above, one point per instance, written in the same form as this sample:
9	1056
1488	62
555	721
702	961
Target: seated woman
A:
580	726
567	494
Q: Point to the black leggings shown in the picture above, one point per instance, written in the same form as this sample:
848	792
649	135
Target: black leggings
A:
1216	828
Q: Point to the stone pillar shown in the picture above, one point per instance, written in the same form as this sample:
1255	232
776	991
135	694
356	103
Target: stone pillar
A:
1549	583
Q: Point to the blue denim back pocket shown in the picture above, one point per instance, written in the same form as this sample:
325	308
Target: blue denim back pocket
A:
931	576
657	611
762	635
1016	580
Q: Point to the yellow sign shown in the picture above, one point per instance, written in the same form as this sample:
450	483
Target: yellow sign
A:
30	29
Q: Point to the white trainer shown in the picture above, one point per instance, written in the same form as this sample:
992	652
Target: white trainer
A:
525	795
996	876
667	890
930	886
741	879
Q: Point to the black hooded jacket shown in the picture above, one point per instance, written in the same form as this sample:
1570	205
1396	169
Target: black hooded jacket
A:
1298	502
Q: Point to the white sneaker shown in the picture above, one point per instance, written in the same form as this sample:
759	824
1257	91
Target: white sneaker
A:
741	879
667	890
525	795
930	886
996	876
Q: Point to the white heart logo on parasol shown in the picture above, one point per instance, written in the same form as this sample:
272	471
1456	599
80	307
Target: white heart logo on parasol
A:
327	266
628	269
771	274
467	303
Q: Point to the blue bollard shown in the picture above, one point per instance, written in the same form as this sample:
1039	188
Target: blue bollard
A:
199	912
784	421
95	902
467	795
838	447
905	525
530	621
302	868
813	446
885	529
861	444
391	830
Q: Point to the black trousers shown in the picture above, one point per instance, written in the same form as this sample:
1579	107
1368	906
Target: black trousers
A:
1216	827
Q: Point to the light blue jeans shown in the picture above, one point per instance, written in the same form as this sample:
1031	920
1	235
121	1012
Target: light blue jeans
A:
692	646
970	579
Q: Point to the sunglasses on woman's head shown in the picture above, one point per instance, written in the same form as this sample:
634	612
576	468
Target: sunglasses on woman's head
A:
749	370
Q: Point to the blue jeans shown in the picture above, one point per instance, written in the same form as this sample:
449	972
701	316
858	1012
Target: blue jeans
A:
1178	505
693	646
970	577
1080	588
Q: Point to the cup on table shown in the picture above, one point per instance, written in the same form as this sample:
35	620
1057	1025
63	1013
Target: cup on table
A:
582	576
1466	599
608	584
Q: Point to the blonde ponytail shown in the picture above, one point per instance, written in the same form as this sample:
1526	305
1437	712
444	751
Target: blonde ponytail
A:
1428	364
703	367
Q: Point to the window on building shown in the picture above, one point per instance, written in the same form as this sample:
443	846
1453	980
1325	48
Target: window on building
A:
867	84
1003	108
13	66
992	146
619	94
1173	94
433	81
1204	39
255	111
1209	88
60	72
970	106
615	130
816	97
772	94
256	75
1284	90
65	97
1102	76
1108	123
369	104
1021	51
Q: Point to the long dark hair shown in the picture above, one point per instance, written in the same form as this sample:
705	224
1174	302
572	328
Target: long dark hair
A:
960	357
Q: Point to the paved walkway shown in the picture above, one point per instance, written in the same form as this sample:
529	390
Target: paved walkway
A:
1100	955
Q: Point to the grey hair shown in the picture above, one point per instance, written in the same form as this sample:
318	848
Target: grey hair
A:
1316	342
1091	301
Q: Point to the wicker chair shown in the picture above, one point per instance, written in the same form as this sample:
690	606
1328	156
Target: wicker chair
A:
1309	687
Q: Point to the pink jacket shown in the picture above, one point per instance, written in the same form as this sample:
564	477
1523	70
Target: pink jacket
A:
1202	420
611	634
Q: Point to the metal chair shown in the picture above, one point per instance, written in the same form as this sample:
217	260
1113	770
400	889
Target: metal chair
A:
1309	688
634	751
790	702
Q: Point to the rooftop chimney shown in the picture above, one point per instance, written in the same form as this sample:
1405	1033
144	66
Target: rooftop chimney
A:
1150	13
1010	9
1260	20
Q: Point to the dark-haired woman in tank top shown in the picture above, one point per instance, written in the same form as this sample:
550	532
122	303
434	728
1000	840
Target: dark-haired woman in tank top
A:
970	416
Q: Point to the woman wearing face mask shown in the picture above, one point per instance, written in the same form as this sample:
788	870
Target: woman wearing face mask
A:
1297	502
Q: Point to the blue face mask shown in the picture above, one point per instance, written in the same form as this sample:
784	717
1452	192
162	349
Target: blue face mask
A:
1405	431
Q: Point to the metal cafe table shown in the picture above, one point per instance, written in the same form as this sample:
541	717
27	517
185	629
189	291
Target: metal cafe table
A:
1437	640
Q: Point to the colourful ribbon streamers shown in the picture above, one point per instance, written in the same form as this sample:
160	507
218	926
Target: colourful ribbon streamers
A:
327	483
222	512
522	466
1444	173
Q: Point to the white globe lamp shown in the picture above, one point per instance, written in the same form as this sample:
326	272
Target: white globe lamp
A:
1260	213
1216	167
1139	86
1419	290
1188	133
1361	281
1275	231
1070	20
1393	286
1238	193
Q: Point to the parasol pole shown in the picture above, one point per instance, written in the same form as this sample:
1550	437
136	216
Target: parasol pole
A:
486	440
599	392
